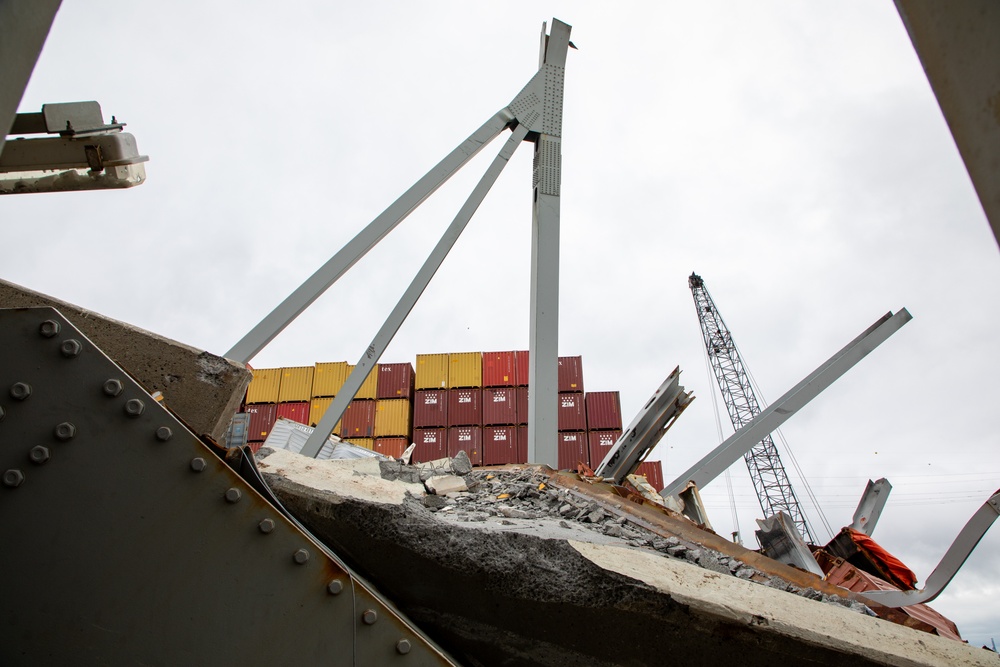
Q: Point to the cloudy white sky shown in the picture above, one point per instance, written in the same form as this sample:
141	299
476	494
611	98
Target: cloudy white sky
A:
792	154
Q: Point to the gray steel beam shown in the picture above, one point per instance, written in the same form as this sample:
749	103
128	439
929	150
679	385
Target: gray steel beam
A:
543	336
398	315
769	419
23	29
958	44
870	508
780	540
286	312
953	559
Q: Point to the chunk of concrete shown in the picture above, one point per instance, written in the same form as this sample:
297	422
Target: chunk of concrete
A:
201	388
443	484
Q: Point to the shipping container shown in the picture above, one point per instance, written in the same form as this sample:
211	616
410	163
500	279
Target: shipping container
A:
468	439
430	408
601	443
571	413
264	386
465	369
367	389
296	384
359	420
499	445
393	417
465	407
262	418
238	430
431	444
395	381
255	446
604	410
318	408
432	371
522	405
393	447
653	470
498	369
499	406
367	443
570	374
573	449
297	411
329	377
521	358
521	444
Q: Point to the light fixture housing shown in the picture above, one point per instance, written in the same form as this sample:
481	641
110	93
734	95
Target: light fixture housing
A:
85	154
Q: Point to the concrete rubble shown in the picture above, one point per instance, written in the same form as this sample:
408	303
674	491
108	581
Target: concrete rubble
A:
532	567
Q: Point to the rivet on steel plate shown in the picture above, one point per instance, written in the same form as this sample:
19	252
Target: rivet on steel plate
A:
2	413
403	646
233	495
198	464
20	391
113	387
369	617
13	478
266	526
65	431
335	587
70	347
39	454
301	556
49	328
134	407
164	433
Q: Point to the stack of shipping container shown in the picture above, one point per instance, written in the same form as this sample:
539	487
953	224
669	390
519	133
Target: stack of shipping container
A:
475	402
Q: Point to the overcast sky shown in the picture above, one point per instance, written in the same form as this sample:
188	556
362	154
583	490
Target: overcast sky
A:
792	154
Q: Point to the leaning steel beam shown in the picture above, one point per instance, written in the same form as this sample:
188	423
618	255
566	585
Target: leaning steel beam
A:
646	429
398	315
730	451
286	312
23	29
870	508
176	557
953	559
958	47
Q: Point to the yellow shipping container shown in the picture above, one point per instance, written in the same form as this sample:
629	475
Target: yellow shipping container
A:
317	408
329	378
296	384
367	389
466	369
264	385
393	417
367	443
432	371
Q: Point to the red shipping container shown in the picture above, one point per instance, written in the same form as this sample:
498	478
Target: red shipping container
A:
521	445
262	418
499	445
604	410
297	412
522	405
255	446
653	470
601	443
465	407
359	419
499	406
468	439
393	447
431	444
521	358
498	369
394	381
572	416
430	408
573	449
570	374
